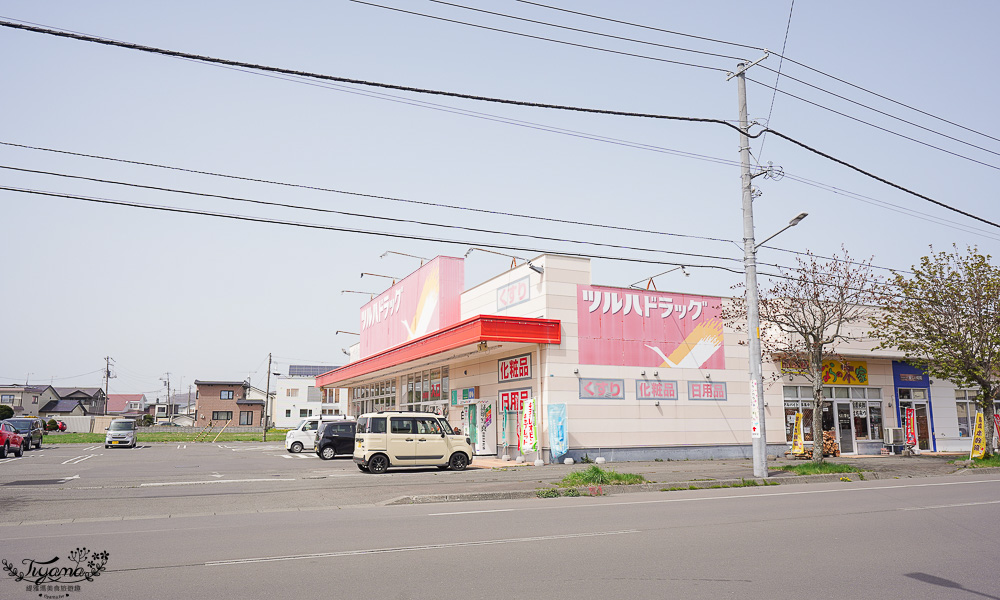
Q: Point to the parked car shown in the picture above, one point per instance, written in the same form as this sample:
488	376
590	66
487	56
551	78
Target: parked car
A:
61	425
10	440
335	437
304	435
30	429
409	439
121	432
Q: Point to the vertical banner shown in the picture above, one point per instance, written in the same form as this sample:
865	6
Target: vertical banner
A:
754	409
529	441
996	421
558	440
911	427
798	440
979	438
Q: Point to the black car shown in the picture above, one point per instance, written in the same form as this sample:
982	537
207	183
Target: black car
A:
333	438
30	429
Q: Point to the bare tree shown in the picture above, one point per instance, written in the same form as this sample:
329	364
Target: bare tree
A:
947	316
807	313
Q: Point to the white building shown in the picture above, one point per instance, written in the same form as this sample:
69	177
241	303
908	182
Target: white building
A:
297	397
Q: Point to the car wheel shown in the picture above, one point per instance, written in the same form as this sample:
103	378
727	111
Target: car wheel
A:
106	446
19	450
327	452
4	450
458	461
361	467
378	464
296	447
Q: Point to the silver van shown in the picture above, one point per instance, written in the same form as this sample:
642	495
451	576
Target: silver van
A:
121	432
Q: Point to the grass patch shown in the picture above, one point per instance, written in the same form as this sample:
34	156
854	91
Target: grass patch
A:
164	436
547	493
993	461
595	475
811	468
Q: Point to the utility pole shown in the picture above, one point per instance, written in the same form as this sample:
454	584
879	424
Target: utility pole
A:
758	438
267	400
167	382
107	382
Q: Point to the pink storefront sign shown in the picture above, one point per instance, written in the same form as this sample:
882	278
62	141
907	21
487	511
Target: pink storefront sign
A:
656	390
640	328
421	303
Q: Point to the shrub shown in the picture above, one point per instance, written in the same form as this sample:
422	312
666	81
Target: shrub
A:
51	425
6	412
595	475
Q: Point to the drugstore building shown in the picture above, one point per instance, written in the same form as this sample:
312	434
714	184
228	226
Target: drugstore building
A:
616	372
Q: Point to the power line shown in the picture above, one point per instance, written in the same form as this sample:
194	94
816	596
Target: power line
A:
373	196
774	95
364	215
607	35
795	62
774	88
537	37
490	99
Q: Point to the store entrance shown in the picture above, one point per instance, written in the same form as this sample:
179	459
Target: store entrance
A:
845	428
923	421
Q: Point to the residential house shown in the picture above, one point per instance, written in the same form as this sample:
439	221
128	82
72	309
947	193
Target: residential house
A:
235	403
93	399
297	397
126	404
27	399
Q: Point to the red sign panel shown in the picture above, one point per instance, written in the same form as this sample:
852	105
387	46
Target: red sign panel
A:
514	368
910	427
656	390
513	293
514	399
706	390
627	327
421	303
602	388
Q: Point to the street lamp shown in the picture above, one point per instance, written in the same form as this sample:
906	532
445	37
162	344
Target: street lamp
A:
388	252
513	259
791	224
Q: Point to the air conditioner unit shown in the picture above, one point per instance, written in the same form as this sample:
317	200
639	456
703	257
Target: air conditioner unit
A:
893	436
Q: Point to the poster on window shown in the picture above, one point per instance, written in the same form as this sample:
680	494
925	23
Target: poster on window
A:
979	438
910	427
639	328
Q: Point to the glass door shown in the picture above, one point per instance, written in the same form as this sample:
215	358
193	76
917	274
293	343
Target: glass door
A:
845	422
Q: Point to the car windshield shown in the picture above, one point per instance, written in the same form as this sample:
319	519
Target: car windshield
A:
20	424
121	426
447	426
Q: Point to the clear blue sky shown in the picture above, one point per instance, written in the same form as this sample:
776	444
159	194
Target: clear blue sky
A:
205	298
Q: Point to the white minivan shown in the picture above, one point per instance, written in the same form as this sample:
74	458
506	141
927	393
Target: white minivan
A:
409	439
303	437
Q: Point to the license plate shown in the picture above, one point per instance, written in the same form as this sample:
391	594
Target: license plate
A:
113	443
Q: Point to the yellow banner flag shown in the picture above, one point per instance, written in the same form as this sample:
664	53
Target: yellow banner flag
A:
798	441
979	438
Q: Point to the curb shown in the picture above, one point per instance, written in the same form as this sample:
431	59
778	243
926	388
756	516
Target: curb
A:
641	487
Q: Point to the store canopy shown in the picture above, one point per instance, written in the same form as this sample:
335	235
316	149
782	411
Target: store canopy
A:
470	332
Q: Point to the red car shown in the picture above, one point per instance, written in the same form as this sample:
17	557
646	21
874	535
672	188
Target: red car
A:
10	440
61	425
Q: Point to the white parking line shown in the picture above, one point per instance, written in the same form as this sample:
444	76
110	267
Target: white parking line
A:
79	459
181	446
209	481
10	460
98	447
244	561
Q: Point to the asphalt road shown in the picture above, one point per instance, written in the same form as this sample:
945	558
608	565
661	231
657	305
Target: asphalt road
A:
934	537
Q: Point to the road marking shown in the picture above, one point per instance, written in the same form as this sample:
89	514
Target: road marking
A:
950	505
68	479
714	498
244	561
10	460
79	459
208	481
181	446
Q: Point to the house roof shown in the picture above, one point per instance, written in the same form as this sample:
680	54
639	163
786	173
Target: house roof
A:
63	406
249	401
91	392
239	383
119	402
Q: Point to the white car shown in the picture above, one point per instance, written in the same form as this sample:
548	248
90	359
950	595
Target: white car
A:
303	437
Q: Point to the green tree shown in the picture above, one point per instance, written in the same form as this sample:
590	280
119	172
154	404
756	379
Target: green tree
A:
807	313
6	412
947	316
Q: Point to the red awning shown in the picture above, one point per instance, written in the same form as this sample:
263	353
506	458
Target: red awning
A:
483	328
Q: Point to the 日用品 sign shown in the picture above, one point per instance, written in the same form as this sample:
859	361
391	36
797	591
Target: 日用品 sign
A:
514	368
513	400
707	390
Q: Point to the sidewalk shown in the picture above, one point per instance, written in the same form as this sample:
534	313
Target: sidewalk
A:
497	479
